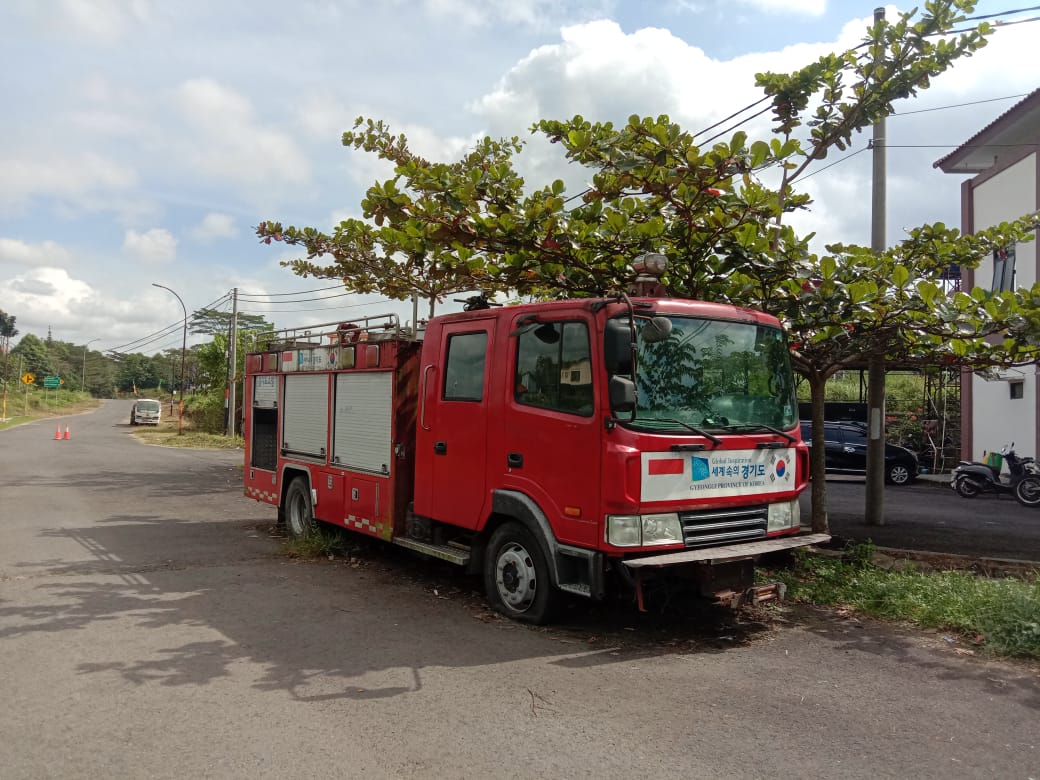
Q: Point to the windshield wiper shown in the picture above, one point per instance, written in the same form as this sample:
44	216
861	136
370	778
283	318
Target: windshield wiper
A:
714	439
760	426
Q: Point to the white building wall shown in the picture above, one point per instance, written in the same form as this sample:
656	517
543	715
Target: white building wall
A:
1008	195
999	419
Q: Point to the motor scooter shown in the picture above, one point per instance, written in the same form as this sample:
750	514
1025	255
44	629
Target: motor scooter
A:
971	478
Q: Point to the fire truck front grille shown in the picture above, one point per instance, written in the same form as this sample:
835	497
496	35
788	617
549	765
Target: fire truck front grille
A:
723	526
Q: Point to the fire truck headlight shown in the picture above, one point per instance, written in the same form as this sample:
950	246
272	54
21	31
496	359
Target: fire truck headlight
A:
662	529
623	530
783	516
643	530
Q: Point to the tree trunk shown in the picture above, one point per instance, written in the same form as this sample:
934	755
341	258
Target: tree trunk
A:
818	485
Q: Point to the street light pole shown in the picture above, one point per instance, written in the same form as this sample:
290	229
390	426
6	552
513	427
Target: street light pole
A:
184	347
83	372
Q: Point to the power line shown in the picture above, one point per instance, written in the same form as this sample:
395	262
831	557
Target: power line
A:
1002	13
836	162
960	105
320	308
996	24
162	332
250	299
959	146
735	113
738	124
242	294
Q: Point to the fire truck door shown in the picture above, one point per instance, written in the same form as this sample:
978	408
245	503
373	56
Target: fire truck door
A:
452	433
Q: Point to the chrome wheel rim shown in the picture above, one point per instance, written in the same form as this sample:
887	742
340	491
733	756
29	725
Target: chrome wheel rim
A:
516	577
899	475
297	510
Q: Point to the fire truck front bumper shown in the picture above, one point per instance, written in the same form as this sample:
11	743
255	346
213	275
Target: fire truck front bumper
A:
726	573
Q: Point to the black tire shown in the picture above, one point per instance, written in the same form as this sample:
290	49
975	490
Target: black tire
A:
899	473
966	488
516	576
299	512
1027	491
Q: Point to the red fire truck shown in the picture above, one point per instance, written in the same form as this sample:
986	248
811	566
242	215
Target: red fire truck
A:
567	446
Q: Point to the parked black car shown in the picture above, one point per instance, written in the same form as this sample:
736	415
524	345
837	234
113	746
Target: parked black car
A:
846	452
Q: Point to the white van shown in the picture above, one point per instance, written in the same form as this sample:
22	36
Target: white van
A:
145	411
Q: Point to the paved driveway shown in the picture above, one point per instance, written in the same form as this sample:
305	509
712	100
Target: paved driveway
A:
151	627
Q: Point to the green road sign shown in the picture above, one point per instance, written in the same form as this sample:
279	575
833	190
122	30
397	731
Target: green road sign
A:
52	381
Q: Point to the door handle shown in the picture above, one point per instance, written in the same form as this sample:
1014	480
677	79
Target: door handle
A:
422	412
515	460
440	448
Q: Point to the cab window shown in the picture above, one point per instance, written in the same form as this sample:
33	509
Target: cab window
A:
554	368
464	367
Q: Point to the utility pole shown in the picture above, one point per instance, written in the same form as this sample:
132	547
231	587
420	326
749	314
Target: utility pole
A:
875	503
233	372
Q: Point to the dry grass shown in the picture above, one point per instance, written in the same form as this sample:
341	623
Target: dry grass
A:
165	434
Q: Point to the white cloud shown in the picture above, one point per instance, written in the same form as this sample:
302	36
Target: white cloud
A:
43	254
102	21
45	296
535	14
152	247
803	7
226	140
213	226
78	179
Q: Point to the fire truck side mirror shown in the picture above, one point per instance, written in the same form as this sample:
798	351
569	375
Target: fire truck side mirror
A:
622	391
617	347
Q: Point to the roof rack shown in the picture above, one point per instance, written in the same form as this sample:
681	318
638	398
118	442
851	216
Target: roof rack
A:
378	327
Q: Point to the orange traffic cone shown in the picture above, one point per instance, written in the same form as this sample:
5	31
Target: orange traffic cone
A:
57	434
67	432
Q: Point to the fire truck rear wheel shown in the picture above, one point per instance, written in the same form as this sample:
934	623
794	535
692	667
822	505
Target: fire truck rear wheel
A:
299	514
516	575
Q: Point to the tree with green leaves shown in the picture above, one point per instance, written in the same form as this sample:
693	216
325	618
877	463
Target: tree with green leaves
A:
435	228
211	321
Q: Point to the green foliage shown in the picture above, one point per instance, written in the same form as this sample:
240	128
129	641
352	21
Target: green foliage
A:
211	321
35	356
321	542
140	371
853	89
1002	615
206	411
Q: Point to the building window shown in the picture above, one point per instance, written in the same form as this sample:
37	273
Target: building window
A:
1017	389
1004	269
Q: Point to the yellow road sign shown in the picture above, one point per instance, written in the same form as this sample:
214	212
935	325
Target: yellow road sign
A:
28	378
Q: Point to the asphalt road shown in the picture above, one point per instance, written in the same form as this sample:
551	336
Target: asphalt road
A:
151	627
928	516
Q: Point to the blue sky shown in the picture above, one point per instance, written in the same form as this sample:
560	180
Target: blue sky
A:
143	140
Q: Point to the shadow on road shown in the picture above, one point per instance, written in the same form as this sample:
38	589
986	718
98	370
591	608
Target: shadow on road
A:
320	629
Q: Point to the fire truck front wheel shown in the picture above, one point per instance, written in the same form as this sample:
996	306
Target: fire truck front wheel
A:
299	514
516	575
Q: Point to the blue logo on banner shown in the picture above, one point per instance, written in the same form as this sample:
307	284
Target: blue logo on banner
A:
701	470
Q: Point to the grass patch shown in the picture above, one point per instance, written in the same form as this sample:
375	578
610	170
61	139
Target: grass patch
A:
1001	615
321	542
59	404
165	435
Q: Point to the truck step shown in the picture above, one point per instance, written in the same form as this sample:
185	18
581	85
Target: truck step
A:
446	552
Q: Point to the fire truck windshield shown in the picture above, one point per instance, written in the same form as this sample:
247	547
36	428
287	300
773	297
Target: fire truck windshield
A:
715	375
